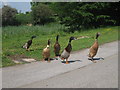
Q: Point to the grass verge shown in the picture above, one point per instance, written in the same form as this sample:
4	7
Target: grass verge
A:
14	37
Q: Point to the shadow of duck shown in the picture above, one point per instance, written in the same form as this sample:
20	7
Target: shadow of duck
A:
96	58
71	61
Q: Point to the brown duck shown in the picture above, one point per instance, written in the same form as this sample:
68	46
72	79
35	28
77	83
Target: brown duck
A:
28	43
46	52
57	47
94	48
66	53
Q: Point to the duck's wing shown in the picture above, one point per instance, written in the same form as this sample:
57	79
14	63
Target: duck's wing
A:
56	47
46	53
93	50
25	45
65	54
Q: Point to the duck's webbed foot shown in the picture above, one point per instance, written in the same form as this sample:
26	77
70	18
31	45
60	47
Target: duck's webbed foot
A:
67	61
49	60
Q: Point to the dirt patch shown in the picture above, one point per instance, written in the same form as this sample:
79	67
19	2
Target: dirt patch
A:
21	58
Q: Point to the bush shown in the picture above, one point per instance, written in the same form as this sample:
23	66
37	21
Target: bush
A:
41	14
26	20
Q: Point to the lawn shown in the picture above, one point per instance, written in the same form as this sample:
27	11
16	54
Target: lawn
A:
13	37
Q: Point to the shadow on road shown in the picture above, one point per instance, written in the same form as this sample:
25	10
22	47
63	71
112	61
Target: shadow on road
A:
71	61
96	58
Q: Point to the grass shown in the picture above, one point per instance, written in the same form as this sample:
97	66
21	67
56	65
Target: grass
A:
14	37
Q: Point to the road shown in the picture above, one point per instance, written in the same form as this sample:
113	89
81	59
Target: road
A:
80	73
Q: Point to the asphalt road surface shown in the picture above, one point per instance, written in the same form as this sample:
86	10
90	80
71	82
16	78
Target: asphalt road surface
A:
80	73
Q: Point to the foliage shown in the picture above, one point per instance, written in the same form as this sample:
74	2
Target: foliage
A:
41	14
26	20
8	16
0	16
75	16
81	15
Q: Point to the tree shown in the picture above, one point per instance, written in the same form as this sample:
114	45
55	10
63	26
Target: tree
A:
8	16
0	17
80	15
26	20
41	13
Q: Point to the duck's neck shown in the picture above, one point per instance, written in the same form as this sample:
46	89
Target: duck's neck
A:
96	40
48	43
57	39
69	47
70	41
97	36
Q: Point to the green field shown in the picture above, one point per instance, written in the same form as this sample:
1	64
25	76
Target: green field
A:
13	37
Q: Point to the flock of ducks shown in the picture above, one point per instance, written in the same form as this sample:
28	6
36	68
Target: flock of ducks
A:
66	52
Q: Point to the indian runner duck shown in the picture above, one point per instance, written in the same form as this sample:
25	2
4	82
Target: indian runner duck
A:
94	48
57	47
28	43
46	52
66	53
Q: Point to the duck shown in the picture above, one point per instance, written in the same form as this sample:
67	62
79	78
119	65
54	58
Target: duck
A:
94	48
66	52
57	47
28	43
46	52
